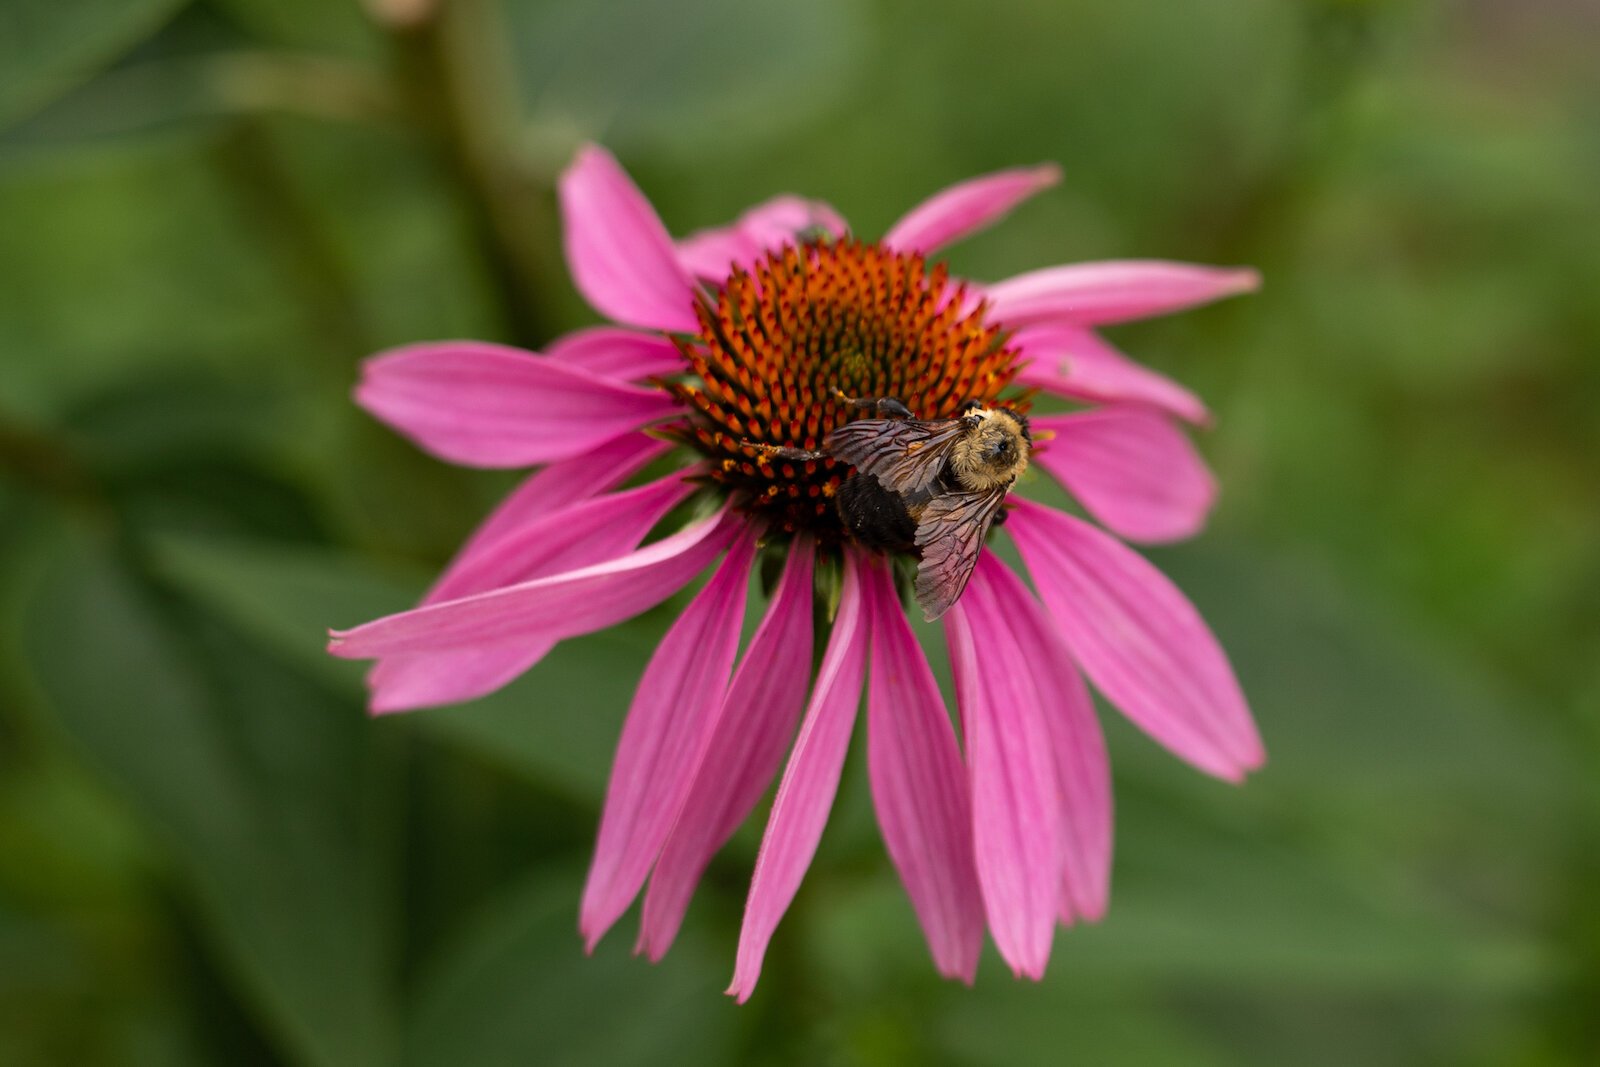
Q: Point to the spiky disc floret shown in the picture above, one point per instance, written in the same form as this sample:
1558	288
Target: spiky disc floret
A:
779	342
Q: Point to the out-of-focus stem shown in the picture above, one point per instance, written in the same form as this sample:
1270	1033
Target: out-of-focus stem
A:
458	81
46	466
38	462
297	244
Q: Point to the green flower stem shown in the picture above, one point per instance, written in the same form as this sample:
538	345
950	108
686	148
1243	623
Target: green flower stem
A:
35	461
460	90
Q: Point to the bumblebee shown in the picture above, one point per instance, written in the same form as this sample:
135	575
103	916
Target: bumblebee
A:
928	487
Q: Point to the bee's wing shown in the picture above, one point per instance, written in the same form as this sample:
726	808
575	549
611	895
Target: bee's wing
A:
950	534
905	455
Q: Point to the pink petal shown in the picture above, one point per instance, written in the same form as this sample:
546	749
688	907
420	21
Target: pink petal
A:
968	206
712	253
563	540
809	783
1082	770
620	256
752	735
1139	640
1016	805
1131	468
561	485
612	352
552	608
919	786
592	530
1075	362
1089	294
579	536
488	405
663	739
424	680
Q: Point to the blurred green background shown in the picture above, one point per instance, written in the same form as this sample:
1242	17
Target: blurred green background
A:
210	210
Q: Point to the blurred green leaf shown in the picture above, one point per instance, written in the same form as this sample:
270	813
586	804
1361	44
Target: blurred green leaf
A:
678	76
137	265
1361	707
89	997
87	967
557	724
287	596
322	24
862	964
516	988
157	96
381	221
1195	906
1206	909
47	44
65	838
139	423
1056	1021
274	798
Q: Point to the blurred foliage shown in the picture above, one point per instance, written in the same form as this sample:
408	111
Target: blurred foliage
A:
210	210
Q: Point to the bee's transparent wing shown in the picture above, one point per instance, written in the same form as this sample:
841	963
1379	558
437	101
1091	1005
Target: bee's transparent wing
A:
905	455
950	534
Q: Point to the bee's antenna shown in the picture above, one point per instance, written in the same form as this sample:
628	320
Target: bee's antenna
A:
783	452
886	406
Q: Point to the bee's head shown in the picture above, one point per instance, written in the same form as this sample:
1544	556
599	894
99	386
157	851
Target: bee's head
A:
999	449
994	450
1002	440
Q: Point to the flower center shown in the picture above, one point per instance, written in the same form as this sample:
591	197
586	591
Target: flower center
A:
781	340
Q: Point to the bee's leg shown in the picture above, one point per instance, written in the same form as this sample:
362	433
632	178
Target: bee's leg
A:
781	452
885	406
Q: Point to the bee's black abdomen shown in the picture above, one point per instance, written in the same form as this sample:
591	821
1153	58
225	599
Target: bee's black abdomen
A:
876	517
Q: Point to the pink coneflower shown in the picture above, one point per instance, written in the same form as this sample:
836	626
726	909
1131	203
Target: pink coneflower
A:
735	345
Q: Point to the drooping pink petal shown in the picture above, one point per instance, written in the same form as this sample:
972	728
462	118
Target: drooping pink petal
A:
663	739
600	528
487	405
413	682
810	781
587	533
752	734
1016	805
1131	468
620	255
1082	770
1139	640
614	352
919	787
968	206
1090	294
552	608
559	486
1075	362
712	253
